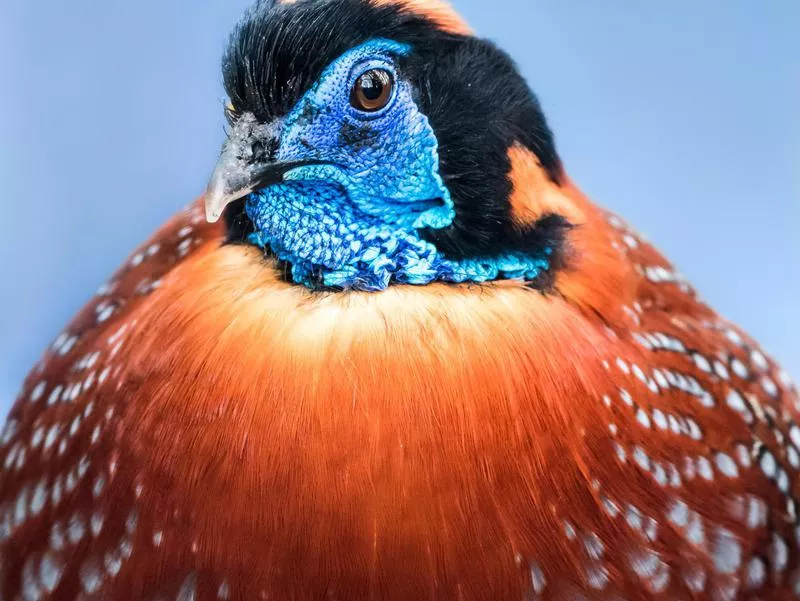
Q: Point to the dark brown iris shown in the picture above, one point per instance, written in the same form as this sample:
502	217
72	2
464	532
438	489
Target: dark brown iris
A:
372	91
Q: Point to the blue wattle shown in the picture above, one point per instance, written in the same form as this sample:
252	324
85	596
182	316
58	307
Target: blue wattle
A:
329	242
351	217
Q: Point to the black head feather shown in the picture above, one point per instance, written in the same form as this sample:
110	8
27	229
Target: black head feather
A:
474	96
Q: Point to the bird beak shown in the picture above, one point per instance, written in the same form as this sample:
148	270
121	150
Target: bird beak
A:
233	179
246	163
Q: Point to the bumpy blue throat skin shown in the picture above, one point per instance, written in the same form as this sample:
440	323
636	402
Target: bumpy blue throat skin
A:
353	220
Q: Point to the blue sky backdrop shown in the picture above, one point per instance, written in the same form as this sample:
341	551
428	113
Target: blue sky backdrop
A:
683	116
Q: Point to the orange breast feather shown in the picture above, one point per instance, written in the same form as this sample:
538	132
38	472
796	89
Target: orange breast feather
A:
204	430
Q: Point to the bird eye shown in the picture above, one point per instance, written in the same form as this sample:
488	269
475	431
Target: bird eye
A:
372	91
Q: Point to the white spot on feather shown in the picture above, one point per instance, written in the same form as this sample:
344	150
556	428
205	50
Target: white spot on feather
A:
76	528
39	497
52	434
188	590
21	506
768	464
113	563
56	536
759	360
30	583
38	391
679	514
54	394
9	431
726	465
701	362
756	573
738	404
91	576
597	577
739	369
51	569
704	468
96	523
779	553
727	553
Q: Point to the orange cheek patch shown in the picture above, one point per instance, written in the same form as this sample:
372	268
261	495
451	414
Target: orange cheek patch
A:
534	195
595	278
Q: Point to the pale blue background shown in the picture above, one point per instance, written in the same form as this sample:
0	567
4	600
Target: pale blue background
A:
683	117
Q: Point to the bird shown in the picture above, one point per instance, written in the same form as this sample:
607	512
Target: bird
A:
394	352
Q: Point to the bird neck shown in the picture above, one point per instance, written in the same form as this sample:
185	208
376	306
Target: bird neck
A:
330	243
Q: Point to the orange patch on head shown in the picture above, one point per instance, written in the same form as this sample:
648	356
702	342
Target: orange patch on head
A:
438	12
534	195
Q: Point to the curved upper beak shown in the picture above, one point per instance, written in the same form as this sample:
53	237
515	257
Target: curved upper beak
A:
233	179
246	163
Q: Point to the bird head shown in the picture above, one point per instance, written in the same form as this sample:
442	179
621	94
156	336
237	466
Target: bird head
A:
379	142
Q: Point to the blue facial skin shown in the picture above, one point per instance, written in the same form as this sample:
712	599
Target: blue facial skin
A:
352	220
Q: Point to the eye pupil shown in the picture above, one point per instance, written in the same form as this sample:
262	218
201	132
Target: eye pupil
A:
371	88
372	91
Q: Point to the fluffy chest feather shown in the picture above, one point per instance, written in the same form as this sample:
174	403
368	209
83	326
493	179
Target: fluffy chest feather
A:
201	417
386	423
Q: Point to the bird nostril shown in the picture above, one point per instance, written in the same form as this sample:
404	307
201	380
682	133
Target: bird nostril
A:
258	151
264	151
272	149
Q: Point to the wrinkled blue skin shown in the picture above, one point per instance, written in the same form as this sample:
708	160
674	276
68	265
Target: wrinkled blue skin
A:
354	219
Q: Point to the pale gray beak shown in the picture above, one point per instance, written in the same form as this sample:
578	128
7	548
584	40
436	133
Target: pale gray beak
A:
246	163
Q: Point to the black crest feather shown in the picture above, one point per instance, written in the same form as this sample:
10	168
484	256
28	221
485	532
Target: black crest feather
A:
474	96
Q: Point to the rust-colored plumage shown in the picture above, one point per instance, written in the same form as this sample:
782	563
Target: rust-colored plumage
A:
205	430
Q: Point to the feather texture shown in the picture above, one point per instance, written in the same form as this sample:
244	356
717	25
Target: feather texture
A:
205	430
